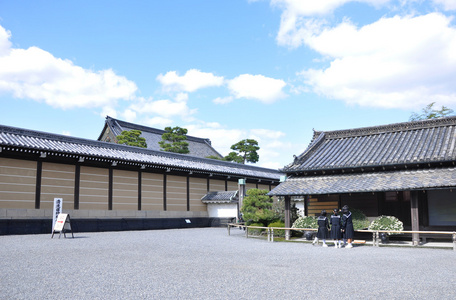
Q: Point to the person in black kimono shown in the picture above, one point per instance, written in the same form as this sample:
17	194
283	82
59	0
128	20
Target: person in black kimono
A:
347	226
336	234
323	226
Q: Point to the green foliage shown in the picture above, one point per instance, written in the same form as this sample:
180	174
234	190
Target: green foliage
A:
174	140
132	138
278	232
257	207
233	156
387	223
244	151
429	112
359	219
214	157
256	231
360	224
357	214
305	222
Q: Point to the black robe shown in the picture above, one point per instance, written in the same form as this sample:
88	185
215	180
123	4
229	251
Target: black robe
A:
335	222
323	226
347	224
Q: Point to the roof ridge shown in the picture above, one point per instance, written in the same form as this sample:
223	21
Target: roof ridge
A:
153	130
403	126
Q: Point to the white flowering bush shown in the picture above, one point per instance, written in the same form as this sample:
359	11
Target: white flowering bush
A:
387	223
305	222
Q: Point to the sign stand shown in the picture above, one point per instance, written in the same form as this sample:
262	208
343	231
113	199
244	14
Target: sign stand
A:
62	225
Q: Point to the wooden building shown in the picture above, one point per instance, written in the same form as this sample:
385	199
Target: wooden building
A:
406	170
199	147
106	186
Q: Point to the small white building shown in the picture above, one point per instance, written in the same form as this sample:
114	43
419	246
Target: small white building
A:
223	204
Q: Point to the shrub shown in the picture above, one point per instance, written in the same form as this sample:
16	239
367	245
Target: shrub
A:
278	232
386	223
305	222
357	214
360	224
257	207
256	231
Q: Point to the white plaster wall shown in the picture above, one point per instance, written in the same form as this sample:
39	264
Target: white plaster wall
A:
300	206
225	210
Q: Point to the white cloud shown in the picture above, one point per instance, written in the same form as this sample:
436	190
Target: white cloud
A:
191	81
446	4
129	115
159	122
36	74
164	108
223	100
399	62
257	87
296	23
267	133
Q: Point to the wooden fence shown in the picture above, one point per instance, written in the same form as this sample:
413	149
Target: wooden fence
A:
375	233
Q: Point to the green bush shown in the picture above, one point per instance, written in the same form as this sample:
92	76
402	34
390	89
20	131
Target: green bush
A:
357	214
256	231
278	232
360	224
305	222
387	223
257	207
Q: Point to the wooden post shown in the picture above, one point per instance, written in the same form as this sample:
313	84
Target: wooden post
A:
414	217
287	217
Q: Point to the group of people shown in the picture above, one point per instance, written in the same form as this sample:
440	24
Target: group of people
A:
341	228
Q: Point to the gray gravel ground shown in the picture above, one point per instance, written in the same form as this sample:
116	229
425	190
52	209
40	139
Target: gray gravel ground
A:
208	264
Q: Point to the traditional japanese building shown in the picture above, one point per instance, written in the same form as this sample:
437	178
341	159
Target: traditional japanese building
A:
199	147
406	170
106	186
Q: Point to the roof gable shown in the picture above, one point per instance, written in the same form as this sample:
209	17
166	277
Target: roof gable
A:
198	146
419	142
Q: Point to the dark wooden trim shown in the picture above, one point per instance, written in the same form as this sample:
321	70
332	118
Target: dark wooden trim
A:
77	184
188	193
164	192
208	184
306	205
39	172
139	189
226	184
110	189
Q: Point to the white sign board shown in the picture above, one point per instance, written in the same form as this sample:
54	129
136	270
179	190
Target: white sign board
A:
58	203
63	224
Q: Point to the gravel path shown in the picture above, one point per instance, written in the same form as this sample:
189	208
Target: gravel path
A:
208	264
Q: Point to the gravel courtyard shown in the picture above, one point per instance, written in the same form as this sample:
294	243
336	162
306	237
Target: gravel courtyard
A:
208	264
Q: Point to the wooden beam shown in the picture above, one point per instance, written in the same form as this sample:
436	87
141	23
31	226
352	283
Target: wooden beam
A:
414	217
287	217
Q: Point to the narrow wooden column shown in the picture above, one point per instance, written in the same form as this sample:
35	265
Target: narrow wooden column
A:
287	217
414	217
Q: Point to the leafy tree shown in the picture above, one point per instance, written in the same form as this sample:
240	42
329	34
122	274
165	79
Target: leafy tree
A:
429	112
257	207
214	157
132	138
174	140
244	151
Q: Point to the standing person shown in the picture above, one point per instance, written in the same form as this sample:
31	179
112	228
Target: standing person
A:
336	234
323	226
347	226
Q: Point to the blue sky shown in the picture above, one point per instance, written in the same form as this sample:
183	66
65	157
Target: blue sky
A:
225	70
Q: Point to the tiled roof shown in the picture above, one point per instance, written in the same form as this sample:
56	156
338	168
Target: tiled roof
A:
220	197
419	142
34	141
197	146
367	182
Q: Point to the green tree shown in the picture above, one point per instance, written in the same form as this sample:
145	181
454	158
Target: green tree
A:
429	112
132	138
244	151
257	207
175	140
